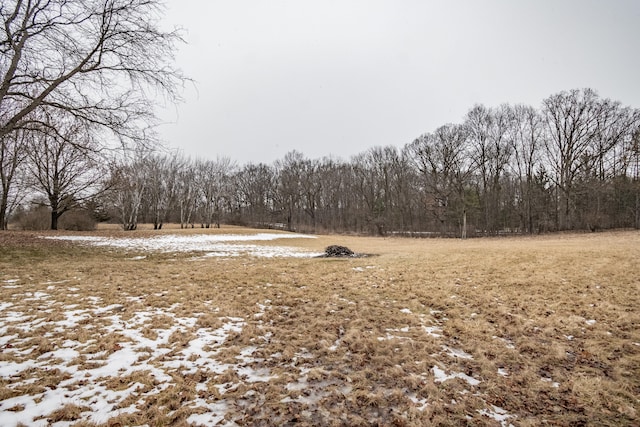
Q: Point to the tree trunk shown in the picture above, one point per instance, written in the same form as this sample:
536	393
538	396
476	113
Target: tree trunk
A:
4	221
464	224
54	219
637	209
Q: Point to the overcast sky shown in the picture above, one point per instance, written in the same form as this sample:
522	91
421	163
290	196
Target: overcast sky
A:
339	77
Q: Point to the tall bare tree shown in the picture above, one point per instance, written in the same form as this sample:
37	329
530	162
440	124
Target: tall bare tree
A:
212	180
91	60
525	138
186	192
162	175
289	191
487	130
255	192
128	186
442	159
571	120
12	154
64	167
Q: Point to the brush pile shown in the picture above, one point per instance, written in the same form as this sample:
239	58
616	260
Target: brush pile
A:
338	251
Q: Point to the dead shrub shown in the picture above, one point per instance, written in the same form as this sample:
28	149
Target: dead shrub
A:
68	412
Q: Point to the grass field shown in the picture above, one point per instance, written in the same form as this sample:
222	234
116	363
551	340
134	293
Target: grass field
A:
509	331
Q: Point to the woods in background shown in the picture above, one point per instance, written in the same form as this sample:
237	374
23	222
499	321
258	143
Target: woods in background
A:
572	164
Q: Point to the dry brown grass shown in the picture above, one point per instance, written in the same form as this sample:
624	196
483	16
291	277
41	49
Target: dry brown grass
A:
548	326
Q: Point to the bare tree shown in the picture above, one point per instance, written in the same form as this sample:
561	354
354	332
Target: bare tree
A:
64	167
12	153
525	138
289	191
186	192
162	174
310	190
213	178
571	121
128	186
487	132
91	60
442	159
255	192
334	197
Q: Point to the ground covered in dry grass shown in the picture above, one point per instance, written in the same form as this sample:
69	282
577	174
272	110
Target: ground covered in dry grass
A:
517	331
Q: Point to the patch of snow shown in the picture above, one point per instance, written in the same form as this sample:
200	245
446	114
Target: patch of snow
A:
111	307
55	283
405	310
16	316
36	296
455	352
211	245
441	376
590	322
503	372
553	383
509	343
421	404
303	354
338	341
10	281
392	337
498	414
252	375
86	383
73	318
214	416
434	331
139	257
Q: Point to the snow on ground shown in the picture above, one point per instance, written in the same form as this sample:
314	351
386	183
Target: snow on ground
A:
123	376
498	414
213	245
441	376
87	374
148	363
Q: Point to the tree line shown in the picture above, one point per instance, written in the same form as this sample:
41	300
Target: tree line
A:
77	73
571	164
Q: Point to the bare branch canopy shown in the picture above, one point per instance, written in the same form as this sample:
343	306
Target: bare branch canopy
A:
105	62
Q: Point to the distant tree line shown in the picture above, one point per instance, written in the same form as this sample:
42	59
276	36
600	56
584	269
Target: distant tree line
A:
572	164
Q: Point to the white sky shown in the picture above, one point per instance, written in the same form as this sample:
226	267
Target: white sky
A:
339	77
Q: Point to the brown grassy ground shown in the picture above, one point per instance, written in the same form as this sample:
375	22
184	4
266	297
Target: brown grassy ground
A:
523	331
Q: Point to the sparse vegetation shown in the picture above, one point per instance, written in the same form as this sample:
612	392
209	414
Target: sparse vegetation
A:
522	331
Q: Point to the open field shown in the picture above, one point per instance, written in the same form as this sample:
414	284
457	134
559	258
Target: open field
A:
522	331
